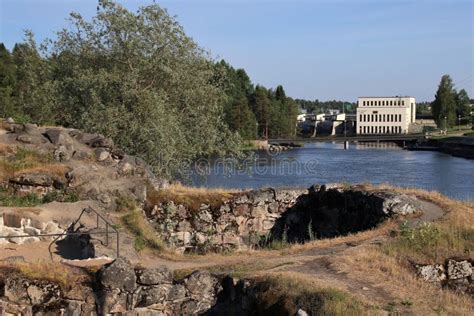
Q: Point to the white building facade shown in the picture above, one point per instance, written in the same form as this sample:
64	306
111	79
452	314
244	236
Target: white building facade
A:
385	115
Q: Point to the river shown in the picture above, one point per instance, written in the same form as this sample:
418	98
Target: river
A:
319	163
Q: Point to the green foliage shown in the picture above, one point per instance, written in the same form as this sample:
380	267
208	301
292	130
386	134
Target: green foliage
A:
427	235
9	197
256	112
462	104
431	242
444	106
61	196
132	76
317	106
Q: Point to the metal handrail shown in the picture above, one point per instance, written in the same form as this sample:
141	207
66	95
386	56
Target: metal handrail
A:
73	224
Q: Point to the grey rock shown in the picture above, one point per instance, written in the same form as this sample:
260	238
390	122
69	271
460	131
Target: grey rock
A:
118	275
33	179
25	139
10	120
62	154
100	141
431	273
177	293
81	155
31	129
113	301
58	136
201	285
101	154
161	275
459	269
154	295
259	197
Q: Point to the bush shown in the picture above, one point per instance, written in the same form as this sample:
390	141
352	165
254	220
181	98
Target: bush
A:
124	203
431	242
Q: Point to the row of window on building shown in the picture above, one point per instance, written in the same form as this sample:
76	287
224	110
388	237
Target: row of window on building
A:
380	118
383	102
380	129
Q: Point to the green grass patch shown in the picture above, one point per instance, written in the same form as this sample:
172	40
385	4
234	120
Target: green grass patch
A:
144	236
431	243
9	197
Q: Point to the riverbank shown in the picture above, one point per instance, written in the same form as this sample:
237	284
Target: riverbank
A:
458	146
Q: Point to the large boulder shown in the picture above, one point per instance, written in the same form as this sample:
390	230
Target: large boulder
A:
203	289
29	134
156	276
58	136
118	275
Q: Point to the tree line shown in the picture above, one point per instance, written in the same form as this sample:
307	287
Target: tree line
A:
255	111
317	106
450	106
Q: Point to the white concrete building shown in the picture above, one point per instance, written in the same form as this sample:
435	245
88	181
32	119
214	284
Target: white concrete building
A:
385	115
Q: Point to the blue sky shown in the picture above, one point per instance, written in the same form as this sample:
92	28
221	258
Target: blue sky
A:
316	49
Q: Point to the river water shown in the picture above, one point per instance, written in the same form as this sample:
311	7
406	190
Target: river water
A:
320	163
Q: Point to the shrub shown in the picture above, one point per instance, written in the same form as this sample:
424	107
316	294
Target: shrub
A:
124	203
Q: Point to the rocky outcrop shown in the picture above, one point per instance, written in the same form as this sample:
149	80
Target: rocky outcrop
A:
252	218
237	223
87	163
454	274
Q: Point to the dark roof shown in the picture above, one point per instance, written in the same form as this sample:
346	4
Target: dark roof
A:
396	96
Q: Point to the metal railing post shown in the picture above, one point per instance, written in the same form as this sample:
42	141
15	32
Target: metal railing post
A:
118	253
106	234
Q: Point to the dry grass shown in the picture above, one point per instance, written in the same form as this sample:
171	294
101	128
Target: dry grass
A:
368	263
190	197
6	149
145	236
22	160
288	292
54	272
452	236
